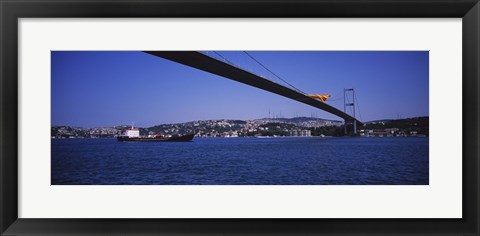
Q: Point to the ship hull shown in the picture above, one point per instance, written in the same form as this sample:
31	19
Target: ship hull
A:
183	138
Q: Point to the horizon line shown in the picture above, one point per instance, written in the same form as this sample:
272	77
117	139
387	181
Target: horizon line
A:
238	120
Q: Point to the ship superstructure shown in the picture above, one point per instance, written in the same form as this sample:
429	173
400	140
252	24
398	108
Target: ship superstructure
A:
133	134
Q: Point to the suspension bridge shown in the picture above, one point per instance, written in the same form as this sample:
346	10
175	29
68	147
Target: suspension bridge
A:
226	69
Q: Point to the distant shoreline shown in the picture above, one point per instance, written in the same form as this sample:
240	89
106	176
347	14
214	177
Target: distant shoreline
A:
290	127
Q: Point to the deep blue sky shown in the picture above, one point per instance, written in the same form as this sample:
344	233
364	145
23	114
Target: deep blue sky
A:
107	88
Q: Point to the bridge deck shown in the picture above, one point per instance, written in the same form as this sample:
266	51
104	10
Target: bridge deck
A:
203	62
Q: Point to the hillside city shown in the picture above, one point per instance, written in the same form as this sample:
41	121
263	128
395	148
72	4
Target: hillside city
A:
275	127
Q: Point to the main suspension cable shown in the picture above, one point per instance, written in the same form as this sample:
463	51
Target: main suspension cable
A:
358	106
298	90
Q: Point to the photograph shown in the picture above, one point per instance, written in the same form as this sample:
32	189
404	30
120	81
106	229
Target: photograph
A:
273	117
240	117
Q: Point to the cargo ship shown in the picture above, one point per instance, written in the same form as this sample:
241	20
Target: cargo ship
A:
133	135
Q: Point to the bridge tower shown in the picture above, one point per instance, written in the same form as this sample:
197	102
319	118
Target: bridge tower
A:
347	103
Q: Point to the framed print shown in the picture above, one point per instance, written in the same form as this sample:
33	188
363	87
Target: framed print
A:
209	117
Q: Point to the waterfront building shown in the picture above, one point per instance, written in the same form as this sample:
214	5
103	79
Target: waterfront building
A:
300	133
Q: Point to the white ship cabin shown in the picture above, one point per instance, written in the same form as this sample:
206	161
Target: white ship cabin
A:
132	133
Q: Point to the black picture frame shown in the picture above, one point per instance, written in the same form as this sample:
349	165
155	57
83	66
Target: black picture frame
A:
12	10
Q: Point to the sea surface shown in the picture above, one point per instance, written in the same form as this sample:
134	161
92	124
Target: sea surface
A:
242	161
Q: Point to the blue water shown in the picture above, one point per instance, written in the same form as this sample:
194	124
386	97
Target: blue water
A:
242	161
